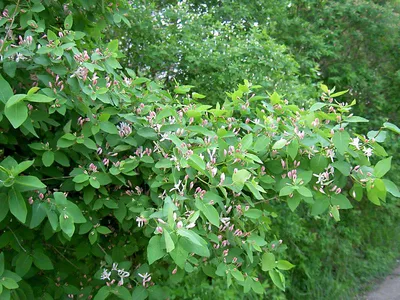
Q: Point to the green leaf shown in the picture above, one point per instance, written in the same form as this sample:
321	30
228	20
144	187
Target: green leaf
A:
209	211
257	287
356	119
28	183
197	96
48	158
240	177
6	91
80	178
60	199
103	230
293	148
247	141
147	133
286	190
155	249
103	293
341	200
42	261
15	99
391	188
378	136
68	22
277	279
39	98
94	183
339	93
17	205
341	140
140	293
391	127
169	243
1	263
89	144
317	106
9	283
108	127
284	265
23	166
279	144
196	162
343	166
93	237
67	224
179	255
382	167
294	202
253	213
17	114
192	236
237	275
268	261
4	207
75	212
320	206
38	214
304	192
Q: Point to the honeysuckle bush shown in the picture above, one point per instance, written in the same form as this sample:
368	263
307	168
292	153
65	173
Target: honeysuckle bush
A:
112	187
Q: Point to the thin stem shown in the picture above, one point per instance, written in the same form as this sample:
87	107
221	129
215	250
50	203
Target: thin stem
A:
102	249
265	200
72	264
53	178
16	238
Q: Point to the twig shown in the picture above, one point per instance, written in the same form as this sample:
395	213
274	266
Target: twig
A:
265	200
54	178
16	238
102	249
64	257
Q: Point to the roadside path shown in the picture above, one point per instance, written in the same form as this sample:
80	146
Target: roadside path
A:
389	289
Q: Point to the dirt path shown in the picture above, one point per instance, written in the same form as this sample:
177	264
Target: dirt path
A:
389	289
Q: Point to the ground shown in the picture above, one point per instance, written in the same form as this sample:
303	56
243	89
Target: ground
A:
389	289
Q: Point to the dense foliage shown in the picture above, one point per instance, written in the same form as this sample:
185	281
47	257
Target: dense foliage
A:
112	186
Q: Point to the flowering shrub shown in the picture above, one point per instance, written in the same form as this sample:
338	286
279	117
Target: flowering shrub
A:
111	185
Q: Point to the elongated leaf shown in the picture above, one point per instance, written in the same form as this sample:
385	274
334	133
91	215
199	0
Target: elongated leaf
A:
39	98
28	183
42	261
392	127
341	140
6	91
268	261
277	279
279	144
15	99
1	263
17	205
196	162
209	211
317	106
23	264
68	22
16	114
155	250
169	243
382	167
391	188
67	224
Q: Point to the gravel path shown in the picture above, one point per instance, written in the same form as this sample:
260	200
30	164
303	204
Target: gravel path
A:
389	289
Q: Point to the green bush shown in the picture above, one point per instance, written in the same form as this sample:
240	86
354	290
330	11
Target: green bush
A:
113	187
